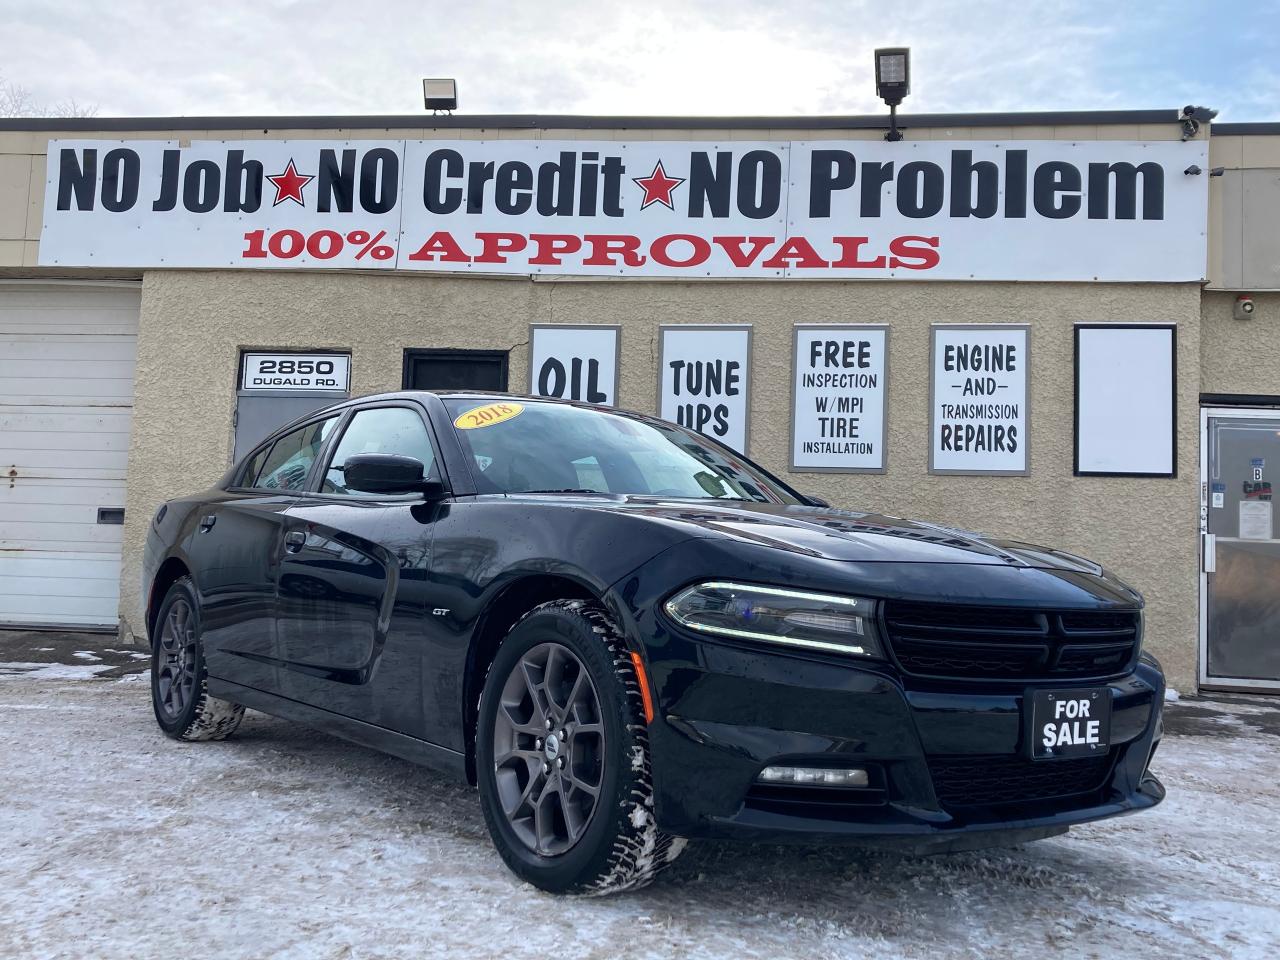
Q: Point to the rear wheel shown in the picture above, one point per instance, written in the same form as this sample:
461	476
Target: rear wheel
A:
562	756
183	708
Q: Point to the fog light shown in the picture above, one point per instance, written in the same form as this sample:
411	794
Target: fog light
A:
818	776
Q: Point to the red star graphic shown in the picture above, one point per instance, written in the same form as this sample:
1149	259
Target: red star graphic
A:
289	185
657	187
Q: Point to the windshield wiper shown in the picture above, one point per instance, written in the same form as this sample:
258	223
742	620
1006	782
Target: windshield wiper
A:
603	493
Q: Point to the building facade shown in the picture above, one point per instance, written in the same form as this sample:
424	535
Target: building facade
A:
1025	325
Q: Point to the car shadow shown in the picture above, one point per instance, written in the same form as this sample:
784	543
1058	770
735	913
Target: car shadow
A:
870	891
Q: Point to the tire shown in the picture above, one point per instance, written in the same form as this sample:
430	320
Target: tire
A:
618	845
182	705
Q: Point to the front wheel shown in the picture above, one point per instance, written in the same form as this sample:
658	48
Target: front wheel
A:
562	756
183	708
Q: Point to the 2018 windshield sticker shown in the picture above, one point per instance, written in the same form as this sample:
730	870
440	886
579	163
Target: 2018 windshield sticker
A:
488	415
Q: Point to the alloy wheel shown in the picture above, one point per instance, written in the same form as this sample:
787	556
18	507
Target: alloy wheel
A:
176	672
549	749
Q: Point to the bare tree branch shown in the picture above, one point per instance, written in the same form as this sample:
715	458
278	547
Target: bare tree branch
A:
19	101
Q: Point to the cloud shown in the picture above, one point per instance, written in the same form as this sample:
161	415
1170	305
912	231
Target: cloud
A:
657	57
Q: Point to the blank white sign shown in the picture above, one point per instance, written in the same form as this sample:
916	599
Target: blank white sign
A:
1125	399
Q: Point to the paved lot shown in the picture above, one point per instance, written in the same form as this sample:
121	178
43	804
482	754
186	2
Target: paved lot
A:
119	843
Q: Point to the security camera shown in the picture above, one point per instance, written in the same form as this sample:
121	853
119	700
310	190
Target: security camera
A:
1192	116
1199	114
1193	171
1243	308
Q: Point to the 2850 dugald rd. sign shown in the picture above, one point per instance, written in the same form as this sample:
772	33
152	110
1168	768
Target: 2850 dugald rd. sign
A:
1029	210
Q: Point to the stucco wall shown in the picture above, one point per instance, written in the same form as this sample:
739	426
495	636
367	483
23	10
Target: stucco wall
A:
1240	356
194	324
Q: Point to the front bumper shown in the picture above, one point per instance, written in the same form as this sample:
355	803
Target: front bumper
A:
726	711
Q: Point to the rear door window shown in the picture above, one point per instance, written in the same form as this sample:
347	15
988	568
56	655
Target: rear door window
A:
289	462
253	466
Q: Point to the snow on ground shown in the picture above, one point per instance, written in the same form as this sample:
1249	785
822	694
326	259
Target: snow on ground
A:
285	843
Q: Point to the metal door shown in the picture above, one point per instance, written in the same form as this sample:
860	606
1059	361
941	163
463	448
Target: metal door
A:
1240	568
66	407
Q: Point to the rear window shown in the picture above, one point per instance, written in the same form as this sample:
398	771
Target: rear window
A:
287	464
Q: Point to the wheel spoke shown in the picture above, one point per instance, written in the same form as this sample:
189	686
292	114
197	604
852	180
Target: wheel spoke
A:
530	756
542	826
593	789
535	775
532	727
169	635
573	819
571	701
535	688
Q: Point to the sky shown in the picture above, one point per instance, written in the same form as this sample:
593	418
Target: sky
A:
277	57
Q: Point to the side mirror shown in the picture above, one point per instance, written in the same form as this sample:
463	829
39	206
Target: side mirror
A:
816	501
388	473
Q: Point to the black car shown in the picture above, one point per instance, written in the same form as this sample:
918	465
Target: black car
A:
626	634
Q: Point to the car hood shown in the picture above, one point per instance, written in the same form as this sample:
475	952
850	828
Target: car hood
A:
835	534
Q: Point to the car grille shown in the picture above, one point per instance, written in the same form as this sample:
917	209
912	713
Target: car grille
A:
1002	643
993	781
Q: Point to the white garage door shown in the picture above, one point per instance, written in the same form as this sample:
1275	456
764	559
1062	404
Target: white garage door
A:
66	402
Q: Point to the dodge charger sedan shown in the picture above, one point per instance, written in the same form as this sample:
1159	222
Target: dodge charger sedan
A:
627	635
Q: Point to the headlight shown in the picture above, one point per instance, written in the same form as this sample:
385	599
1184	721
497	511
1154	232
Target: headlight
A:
812	621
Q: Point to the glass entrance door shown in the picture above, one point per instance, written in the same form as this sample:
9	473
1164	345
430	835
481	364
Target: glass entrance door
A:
1240	568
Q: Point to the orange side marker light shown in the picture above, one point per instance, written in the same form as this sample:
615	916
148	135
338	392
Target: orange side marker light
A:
645	696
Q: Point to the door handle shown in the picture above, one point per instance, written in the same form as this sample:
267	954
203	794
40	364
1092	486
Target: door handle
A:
1210	564
294	540
207	522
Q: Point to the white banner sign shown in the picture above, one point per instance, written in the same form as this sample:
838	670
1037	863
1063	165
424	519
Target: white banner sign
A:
1014	210
574	362
704	380
296	371
838	399
978	398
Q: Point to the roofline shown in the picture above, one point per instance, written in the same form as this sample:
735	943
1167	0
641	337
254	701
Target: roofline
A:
1246	129
506	121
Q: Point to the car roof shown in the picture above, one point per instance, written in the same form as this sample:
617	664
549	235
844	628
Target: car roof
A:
335	408
480	395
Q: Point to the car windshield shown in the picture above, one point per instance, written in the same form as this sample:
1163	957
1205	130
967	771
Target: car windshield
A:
522	446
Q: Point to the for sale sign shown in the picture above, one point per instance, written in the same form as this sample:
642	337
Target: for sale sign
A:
1029	210
978	398
838	398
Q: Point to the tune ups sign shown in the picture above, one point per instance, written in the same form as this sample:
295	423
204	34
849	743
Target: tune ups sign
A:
1021	210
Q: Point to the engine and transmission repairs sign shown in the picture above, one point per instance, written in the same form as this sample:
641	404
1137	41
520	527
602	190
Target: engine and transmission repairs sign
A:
1030	210
978	398
838	402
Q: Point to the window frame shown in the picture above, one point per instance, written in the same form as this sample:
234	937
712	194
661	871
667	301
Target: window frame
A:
312	487
444	353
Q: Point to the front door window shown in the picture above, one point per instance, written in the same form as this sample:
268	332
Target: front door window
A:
394	430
